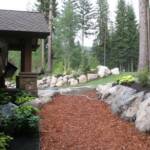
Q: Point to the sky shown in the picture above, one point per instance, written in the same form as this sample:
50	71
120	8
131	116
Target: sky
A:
28	5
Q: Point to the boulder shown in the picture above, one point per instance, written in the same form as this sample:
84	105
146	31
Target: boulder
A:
39	82
133	106
60	78
82	79
60	83
147	95
53	81
103	91
44	86
7	110
48	80
115	71
103	71
73	82
44	79
142	122
121	98
110	94
92	77
65	80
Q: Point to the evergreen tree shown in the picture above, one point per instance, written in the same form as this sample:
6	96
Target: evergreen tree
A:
49	8
86	14
121	35
132	40
101	41
66	30
125	43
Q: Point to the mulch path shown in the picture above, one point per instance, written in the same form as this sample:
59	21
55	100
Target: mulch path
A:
76	123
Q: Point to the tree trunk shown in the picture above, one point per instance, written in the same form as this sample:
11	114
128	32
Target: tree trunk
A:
148	18
82	39
42	54
143	54
105	41
50	39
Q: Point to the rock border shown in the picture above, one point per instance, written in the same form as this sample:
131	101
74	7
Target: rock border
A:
129	104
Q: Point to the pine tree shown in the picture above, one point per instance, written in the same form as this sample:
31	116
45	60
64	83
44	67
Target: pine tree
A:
121	36
68	26
132	40
86	14
49	8
102	30
125	43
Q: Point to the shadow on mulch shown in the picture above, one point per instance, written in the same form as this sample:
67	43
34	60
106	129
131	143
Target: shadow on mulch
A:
25	143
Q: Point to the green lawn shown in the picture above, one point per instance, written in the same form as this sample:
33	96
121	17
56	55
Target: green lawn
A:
108	79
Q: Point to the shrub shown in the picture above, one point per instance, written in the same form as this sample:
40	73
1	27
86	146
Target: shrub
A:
143	77
85	67
23	97
4	141
4	97
126	80
23	120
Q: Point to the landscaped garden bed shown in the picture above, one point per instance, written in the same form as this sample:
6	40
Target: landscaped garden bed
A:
76	122
17	120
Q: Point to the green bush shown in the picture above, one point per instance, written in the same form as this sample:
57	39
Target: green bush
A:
4	97
4	141
126	80
23	120
85	67
143	77
23	97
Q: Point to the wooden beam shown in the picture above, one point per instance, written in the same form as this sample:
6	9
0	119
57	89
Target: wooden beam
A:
26	57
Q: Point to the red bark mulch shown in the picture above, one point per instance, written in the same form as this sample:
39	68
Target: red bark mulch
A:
76	123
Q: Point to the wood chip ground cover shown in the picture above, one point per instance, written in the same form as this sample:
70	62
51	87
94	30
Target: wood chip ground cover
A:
77	123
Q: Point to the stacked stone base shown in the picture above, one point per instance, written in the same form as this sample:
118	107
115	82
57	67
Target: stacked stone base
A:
27	81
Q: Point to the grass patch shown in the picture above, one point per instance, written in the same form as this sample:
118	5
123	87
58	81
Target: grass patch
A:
108	79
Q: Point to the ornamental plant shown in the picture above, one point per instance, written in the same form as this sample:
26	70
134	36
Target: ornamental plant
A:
4	141
23	121
4	97
126	80
23	97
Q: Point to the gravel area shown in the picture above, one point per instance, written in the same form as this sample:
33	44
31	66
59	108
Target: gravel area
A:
79	123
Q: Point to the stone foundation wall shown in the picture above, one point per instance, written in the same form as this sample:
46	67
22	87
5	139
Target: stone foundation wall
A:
28	82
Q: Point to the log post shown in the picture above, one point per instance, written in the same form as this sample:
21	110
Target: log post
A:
26	58
26	79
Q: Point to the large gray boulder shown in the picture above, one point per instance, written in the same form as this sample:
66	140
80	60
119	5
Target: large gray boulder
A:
110	95
121	98
142	122
103	71
7	110
82	79
147	95
91	76
65	79
132	106
53	81
103	91
73	82
60	83
115	71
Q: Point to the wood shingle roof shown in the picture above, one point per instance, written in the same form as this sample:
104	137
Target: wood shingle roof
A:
23	22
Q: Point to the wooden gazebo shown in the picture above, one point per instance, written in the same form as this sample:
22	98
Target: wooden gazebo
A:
20	31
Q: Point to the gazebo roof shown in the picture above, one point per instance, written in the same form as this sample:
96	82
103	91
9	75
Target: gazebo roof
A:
23	23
